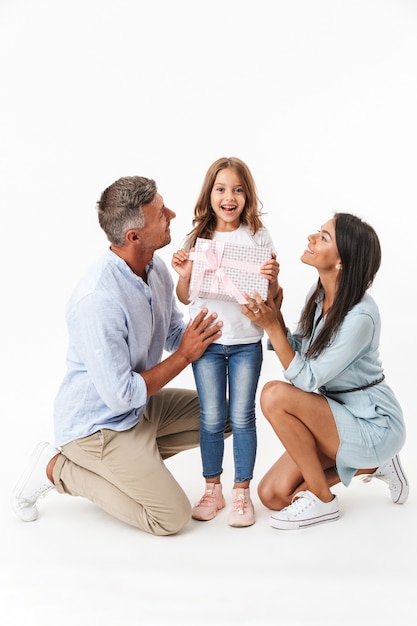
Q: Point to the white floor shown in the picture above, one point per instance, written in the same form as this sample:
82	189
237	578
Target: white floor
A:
76	565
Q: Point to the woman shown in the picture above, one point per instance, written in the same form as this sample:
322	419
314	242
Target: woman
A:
336	416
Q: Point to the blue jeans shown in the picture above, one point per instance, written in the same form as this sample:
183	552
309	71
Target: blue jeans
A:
226	378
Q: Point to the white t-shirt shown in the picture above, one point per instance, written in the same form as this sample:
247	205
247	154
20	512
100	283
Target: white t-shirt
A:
237	329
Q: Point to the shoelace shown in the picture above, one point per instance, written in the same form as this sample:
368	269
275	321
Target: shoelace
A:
207	499
239	504
368	477
37	495
300	502
384	477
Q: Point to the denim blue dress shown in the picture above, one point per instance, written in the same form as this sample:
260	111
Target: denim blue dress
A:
370	421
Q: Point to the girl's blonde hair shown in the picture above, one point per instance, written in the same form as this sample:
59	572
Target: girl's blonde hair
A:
204	221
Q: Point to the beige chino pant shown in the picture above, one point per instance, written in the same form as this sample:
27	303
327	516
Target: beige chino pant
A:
124	472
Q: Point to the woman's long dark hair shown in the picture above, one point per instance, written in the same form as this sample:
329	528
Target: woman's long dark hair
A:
360	254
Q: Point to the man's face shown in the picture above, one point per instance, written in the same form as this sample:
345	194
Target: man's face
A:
156	233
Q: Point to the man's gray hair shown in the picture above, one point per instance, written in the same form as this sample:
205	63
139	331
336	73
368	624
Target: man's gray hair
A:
120	206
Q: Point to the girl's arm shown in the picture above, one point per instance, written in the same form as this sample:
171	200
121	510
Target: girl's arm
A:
183	266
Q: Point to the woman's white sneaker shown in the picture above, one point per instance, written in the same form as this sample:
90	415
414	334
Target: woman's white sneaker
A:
393	474
305	510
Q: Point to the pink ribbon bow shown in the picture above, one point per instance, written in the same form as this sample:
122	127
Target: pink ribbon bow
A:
215	262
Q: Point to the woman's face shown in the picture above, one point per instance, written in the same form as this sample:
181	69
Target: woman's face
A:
321	251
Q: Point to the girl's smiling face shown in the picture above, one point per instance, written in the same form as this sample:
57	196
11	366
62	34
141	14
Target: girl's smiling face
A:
228	199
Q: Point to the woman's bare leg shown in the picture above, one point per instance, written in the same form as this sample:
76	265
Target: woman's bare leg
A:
305	425
283	480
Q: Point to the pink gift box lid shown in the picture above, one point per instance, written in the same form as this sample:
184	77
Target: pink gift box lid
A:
224	271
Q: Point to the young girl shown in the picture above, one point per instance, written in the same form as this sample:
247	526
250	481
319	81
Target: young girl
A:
336	416
227	375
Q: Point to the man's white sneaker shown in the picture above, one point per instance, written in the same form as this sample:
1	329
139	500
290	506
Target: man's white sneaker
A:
305	510
392	473
34	483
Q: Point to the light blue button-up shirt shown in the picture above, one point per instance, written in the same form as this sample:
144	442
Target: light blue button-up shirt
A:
118	325
351	360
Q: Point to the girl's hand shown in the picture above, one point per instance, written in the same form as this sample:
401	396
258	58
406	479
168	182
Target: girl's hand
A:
270	269
181	263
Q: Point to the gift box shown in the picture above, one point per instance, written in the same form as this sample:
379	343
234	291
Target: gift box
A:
224	271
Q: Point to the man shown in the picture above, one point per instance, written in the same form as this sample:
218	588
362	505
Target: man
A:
115	422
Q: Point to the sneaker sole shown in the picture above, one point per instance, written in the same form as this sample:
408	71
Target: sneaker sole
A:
405	488
287	525
207	519
23	479
241	524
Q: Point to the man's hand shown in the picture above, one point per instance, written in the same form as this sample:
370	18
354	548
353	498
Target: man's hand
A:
200	333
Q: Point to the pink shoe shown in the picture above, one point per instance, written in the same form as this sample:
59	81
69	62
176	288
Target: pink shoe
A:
211	502
242	513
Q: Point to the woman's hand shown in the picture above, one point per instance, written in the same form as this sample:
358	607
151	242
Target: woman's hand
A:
264	314
269	317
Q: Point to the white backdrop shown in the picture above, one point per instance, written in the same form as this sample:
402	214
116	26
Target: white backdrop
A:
319	97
